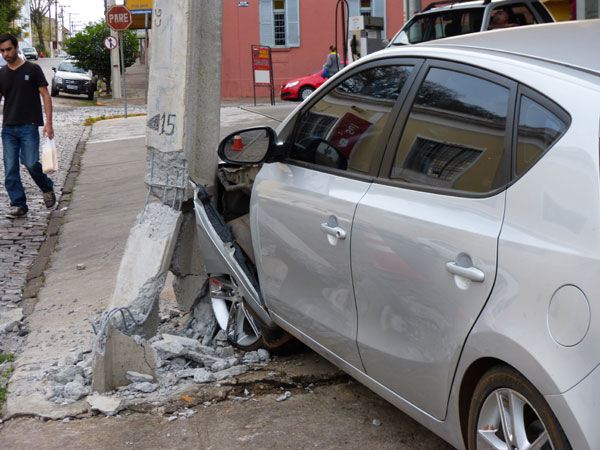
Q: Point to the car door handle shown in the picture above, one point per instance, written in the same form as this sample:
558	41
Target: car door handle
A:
472	273
333	231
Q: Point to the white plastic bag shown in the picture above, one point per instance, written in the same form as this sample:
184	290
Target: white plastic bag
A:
49	156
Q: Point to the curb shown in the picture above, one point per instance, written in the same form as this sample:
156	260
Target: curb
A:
35	277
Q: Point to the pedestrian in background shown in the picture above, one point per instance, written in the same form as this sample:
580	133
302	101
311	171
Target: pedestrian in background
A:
332	64
21	84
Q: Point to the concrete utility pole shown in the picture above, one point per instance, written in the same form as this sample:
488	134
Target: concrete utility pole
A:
181	137
50	28
115	63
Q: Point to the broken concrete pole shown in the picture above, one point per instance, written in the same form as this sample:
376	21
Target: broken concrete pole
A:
187	265
185	83
144	267
183	119
120	354
181	137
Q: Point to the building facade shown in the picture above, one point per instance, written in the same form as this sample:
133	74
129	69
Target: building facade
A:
299	33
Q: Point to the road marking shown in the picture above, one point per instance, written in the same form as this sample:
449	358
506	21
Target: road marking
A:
102	141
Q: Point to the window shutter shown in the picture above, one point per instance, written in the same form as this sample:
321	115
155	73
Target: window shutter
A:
378	7
292	19
267	28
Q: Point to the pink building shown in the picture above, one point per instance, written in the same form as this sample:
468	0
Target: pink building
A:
298	31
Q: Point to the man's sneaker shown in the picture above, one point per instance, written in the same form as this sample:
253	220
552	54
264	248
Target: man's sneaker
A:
49	199
16	212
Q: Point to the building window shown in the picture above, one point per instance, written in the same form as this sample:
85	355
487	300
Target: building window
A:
365	8
279	21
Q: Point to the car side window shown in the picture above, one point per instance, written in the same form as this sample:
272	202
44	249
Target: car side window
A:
514	15
454	137
538	130
342	129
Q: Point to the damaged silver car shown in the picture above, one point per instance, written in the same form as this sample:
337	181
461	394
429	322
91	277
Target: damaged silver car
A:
428	221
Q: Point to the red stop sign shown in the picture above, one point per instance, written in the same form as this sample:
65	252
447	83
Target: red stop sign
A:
118	17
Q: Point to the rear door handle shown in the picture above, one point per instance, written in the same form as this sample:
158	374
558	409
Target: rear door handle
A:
472	273
335	231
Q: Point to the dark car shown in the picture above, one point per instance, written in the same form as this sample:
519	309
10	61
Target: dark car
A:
72	79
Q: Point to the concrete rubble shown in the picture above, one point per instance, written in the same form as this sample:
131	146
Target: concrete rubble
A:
180	362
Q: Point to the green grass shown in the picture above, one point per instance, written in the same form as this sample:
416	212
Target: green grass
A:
5	357
91	120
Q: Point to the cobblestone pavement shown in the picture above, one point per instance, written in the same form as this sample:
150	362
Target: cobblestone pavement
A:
20	239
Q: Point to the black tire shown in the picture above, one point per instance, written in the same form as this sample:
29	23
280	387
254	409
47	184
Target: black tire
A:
304	92
91	95
502	384
54	92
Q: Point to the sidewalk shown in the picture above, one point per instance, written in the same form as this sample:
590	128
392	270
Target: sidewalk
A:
109	193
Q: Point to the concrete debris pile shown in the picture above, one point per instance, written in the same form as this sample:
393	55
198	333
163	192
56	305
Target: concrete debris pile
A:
71	382
180	361
180	358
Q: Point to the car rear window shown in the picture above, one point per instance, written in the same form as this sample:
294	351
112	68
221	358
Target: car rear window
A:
539	129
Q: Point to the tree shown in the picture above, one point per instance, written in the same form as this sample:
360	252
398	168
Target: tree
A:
39	9
9	11
88	47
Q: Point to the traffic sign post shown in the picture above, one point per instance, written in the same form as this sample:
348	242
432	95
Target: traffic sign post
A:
110	42
118	18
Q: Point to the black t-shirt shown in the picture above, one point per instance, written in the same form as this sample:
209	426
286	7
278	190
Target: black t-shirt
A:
20	89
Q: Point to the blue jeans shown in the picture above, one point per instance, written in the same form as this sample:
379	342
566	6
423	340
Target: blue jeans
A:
22	142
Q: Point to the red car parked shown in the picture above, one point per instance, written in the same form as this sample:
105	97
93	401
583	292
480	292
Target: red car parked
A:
301	88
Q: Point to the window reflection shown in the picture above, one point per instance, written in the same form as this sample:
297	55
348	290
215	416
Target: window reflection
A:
455	133
348	121
538	130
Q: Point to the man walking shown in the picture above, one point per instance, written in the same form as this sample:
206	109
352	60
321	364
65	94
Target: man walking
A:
21	84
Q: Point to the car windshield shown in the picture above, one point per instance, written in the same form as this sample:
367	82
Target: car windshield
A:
70	67
428	27
29	49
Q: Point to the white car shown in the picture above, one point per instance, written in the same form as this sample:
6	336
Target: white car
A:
72	79
428	220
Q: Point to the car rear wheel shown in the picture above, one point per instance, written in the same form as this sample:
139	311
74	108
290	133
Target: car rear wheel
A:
507	412
305	92
232	314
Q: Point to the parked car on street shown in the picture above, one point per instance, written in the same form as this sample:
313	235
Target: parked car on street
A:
301	88
457	18
72	79
428	221
30	53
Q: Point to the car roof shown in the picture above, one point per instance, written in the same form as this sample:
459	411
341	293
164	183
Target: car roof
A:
572	44
470	5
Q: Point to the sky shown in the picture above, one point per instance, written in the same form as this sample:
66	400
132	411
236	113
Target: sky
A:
83	11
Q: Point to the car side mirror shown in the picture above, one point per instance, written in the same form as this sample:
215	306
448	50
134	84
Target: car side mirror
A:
54	69
250	146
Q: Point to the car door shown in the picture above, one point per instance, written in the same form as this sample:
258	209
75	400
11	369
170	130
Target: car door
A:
424	241
302	209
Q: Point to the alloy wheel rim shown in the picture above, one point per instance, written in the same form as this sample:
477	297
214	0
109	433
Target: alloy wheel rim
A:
507	421
306	93
231	312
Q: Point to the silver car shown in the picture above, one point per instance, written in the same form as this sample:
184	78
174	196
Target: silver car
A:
429	221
